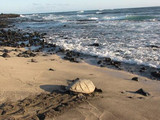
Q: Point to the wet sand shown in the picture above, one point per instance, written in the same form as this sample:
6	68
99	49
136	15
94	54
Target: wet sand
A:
27	78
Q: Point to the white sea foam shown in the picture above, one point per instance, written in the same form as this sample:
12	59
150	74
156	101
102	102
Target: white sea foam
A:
114	17
93	18
53	17
126	48
22	16
120	37
98	12
81	11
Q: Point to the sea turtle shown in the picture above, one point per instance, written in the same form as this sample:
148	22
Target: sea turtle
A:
81	86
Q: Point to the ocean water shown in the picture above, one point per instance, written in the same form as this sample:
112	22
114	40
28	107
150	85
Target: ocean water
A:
126	35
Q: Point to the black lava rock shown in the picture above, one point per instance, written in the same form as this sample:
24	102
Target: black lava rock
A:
71	59
99	62
95	44
50	69
33	60
143	69
156	74
153	46
142	92
27	53
5	55
107	60
135	78
6	51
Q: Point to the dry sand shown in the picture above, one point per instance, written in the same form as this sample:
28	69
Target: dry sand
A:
20	78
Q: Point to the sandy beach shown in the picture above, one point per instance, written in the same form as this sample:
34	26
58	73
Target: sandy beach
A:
32	84
22	77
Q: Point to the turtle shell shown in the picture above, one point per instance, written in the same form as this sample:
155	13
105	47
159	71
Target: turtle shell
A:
82	86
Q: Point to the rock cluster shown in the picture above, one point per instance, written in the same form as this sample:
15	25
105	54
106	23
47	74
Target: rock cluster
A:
108	61
26	54
72	56
19	39
156	74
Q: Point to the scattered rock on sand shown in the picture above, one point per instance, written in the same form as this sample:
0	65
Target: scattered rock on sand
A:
71	59
72	56
27	53
142	92
82	86
34	60
5	55
135	78
6	51
51	69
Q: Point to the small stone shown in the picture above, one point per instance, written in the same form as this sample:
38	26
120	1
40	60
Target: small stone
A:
102	66
99	62
123	92
33	60
5	55
142	92
6	51
52	59
98	90
50	69
140	97
156	74
130	97
107	60
95	44
135	78
143	69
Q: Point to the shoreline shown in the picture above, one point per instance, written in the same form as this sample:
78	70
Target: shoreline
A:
73	56
29	75
37	43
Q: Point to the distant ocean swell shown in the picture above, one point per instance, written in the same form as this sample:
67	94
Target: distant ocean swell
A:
52	17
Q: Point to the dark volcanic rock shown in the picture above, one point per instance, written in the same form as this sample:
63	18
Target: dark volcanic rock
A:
5	55
27	53
33	60
9	15
71	59
135	78
142	92
95	44
153	46
99	62
143	69
156	74
4	21
116	64
51	69
6	51
72	56
108	61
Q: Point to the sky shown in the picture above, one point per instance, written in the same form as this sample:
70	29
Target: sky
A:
42	6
